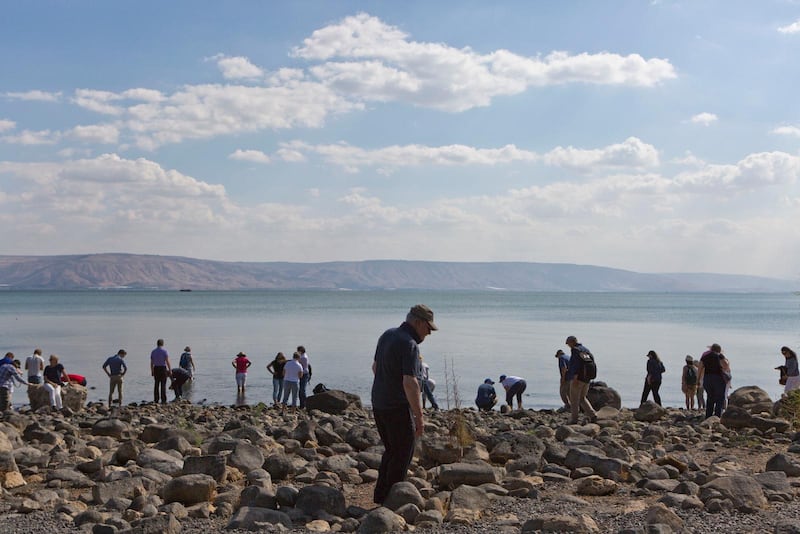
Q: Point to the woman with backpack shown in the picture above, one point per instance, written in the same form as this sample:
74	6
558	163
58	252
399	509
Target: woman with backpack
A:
689	382
652	382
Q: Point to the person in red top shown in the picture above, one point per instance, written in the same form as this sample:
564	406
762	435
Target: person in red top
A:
241	363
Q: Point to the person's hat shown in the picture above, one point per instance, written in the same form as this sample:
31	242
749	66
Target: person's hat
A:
502	377
187	349
488	381
421	311
689	358
571	338
559	352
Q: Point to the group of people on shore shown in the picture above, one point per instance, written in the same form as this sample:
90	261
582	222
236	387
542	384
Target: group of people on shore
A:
52	377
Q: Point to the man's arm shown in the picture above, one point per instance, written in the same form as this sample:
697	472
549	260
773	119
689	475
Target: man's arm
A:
411	388
105	368
374	366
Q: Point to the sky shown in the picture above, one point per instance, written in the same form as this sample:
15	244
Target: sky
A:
654	136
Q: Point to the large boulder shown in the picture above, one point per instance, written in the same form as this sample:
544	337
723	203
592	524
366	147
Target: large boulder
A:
315	499
190	489
600	395
649	412
745	492
73	397
751	398
333	401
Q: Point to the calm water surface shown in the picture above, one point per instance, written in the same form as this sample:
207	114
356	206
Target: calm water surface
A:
482	334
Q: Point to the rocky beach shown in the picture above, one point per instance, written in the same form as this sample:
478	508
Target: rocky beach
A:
189	468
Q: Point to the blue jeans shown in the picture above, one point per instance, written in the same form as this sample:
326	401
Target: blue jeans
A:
428	394
277	389
289	388
303	385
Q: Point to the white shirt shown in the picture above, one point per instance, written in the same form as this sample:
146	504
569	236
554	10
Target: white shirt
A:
510	381
304	362
33	363
290	371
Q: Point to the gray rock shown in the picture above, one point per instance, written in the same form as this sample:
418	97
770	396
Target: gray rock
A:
127	488
304	431
279	466
788	463
744	492
286	496
661	515
175	443
247	518
333	401
473	474
154	433
752	398
246	457
610	468
314	499
600	395
211	465
560	523
595	485
469	498
649	411
129	450
380	521
89	516
190	489
403	493
157	524
258	497
338	463
160	461
776	486
109	427
409	512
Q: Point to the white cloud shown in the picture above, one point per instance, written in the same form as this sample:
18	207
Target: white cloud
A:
631	154
34	95
754	171
793	131
29	137
379	62
6	125
237	68
705	118
96	133
98	101
255	156
794	27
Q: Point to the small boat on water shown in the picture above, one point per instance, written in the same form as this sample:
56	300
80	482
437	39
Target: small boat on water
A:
185	290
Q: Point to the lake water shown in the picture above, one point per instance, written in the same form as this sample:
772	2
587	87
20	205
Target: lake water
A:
482	334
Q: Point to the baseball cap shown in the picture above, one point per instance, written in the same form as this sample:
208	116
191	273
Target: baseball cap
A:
421	311
502	377
488	381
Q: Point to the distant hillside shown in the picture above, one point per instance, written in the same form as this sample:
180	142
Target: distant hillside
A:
164	272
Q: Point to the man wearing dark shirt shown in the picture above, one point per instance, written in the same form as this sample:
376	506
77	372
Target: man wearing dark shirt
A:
486	398
396	404
578	388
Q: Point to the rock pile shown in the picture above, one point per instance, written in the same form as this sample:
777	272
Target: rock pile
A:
183	467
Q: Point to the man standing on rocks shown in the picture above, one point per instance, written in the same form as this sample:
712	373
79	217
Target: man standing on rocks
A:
160	369
34	364
579	384
301	350
396	402
563	388
115	368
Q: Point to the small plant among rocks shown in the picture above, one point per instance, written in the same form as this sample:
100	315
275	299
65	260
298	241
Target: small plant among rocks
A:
789	408
459	432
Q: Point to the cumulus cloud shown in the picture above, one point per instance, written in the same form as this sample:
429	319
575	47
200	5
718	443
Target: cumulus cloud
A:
255	156
793	131
366	58
104	134
34	95
704	118
631	153
794	27
237	68
6	125
29	137
754	171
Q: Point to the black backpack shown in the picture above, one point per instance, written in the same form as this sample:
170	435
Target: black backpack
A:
320	388
691	375
588	370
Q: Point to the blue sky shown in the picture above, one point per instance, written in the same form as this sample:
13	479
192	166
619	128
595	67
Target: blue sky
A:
652	136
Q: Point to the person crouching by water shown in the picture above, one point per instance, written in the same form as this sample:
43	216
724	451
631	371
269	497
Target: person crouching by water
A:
54	378
276	369
652	382
487	397
792	370
115	368
515	387
396	402
292	374
241	363
178	377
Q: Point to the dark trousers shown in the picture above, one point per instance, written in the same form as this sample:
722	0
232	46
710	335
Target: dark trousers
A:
654	387
397	434
5	399
516	391
715	394
160	383
303	385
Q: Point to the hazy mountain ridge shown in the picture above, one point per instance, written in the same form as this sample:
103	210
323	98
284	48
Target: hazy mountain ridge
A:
168	272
